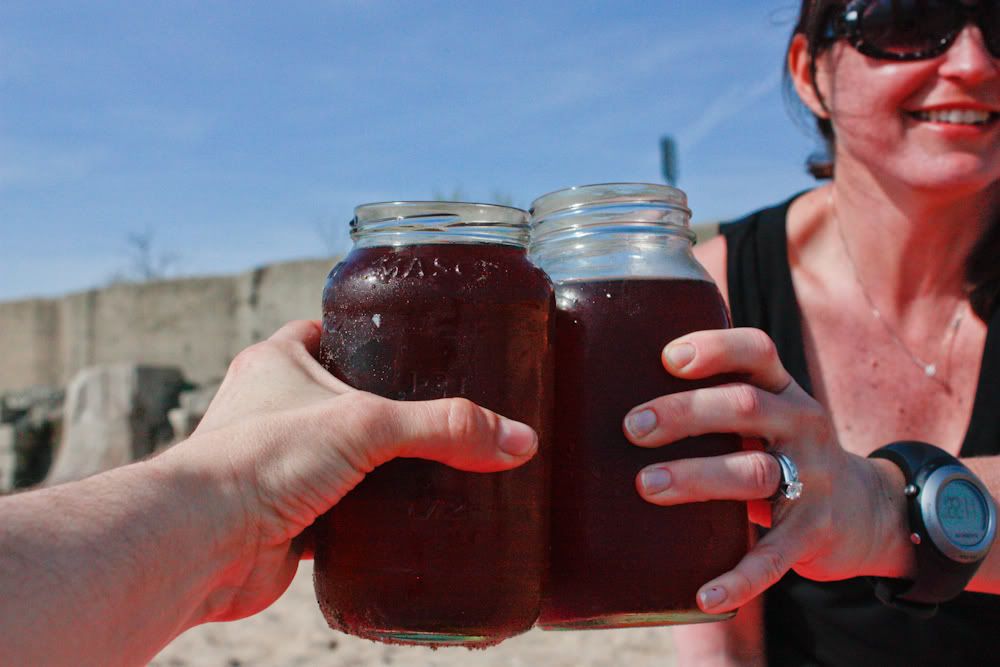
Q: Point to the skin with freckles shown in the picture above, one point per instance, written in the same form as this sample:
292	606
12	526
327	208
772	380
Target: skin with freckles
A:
876	104
768	405
911	196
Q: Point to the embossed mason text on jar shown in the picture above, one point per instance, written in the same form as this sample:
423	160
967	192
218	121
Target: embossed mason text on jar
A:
438	299
626	285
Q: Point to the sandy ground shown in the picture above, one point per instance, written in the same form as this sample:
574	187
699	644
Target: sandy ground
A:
293	632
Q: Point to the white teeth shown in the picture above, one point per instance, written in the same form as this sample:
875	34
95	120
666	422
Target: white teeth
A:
956	116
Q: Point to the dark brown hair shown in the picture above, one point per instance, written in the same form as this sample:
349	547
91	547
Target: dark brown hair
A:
814	16
982	269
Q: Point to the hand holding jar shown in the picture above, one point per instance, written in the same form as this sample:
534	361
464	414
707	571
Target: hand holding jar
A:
827	533
109	569
619	255
439	299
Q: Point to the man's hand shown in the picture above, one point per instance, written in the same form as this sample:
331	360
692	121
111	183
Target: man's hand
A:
290	440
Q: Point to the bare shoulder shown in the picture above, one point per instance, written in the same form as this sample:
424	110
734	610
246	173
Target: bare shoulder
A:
712	255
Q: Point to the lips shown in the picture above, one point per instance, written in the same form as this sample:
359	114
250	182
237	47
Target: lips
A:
956	116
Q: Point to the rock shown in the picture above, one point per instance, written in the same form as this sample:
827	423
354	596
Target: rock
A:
35	415
15	404
7	413
197	400
182	423
8	458
114	415
35	436
193	406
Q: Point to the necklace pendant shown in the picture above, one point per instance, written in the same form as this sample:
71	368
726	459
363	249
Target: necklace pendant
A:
930	370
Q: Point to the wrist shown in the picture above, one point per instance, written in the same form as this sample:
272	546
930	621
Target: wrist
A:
952	523
215	515
891	553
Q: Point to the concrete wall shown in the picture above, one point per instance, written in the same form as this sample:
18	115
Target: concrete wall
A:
30	343
270	296
198	324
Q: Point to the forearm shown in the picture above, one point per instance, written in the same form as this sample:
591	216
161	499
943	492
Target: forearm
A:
109	569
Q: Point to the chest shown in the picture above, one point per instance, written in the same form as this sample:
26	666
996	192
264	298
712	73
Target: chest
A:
877	393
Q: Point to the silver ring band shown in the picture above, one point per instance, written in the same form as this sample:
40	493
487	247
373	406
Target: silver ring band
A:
790	487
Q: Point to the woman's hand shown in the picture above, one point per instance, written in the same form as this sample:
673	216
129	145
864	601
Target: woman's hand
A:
288	440
835	530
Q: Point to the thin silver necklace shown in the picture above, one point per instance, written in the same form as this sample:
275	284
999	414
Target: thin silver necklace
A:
929	368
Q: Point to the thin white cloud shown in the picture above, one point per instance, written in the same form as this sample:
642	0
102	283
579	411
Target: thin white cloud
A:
733	101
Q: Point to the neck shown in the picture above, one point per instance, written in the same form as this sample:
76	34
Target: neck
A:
908	246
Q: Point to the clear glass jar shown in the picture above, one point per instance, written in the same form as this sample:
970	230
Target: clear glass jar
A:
438	299
626	284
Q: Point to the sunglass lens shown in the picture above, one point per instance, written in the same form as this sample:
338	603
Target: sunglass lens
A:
910	28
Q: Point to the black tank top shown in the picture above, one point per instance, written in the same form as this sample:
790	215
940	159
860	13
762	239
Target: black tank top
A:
841	622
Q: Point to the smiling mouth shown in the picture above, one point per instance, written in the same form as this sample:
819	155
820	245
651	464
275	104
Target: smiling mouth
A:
956	116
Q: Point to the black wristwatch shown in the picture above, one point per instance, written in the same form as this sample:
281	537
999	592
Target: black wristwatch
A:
953	522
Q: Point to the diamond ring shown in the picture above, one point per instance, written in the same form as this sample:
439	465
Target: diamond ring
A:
790	486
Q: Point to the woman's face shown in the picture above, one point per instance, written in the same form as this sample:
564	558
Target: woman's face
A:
930	124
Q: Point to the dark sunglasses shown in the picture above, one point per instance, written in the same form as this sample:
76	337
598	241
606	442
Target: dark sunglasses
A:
914	29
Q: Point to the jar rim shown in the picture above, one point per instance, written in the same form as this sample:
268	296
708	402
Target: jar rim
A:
470	212
405	222
608	193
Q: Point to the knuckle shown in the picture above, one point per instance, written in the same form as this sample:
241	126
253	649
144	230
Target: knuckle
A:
673	410
771	563
763	473
760	345
464	420
741	585
371	413
366	428
819	425
373	407
249	357
747	401
824	522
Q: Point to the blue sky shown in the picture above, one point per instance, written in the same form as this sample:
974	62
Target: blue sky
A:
240	133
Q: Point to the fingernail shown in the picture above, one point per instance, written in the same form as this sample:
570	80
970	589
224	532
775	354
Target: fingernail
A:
517	439
712	597
641	423
655	480
679	355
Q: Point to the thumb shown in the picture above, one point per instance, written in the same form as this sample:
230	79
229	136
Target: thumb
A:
453	431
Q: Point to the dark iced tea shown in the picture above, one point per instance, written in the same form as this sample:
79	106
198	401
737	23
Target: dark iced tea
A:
616	559
420	552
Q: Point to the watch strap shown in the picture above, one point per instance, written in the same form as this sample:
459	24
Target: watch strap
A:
938	578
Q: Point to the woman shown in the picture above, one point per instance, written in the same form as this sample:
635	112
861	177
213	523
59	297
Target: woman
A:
877	291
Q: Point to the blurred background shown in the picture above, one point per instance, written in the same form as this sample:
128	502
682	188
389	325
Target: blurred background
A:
149	139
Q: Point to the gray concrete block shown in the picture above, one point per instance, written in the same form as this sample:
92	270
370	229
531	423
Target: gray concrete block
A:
114	415
193	406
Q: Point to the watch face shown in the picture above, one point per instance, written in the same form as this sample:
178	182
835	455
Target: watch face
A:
963	513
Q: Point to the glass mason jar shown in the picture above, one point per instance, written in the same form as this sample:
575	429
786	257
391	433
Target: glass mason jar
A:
626	284
439	299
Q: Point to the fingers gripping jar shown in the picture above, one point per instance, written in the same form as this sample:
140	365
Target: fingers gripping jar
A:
438	299
626	284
